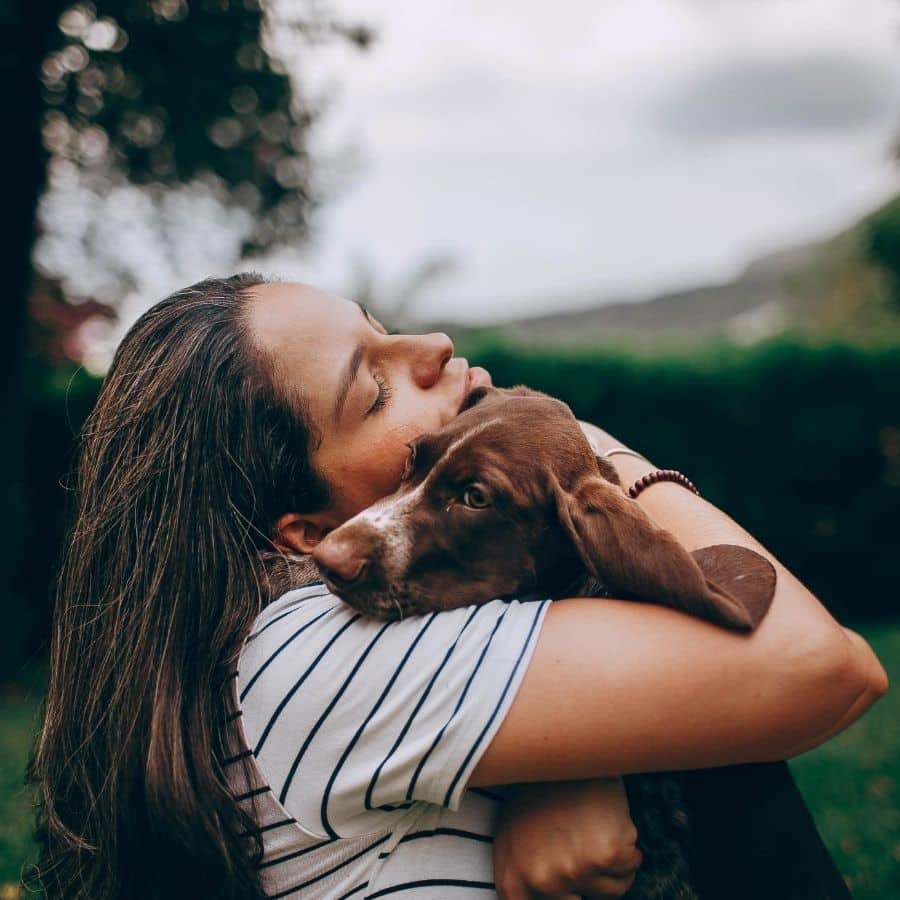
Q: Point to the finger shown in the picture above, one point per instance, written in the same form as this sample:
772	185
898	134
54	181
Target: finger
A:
511	887
606	887
625	863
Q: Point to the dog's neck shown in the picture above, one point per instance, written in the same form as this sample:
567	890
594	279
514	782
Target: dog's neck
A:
585	585
280	572
561	573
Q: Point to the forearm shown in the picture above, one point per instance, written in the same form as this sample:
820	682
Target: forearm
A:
796	616
618	687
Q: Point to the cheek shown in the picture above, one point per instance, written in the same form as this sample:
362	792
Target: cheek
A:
372	469
387	453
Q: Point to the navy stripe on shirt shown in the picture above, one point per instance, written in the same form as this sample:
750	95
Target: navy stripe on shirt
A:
421	701
275	654
297	853
462	697
294	606
442	832
352	891
487	725
270	827
433	882
293	769
360	731
331	871
254	793
287	697
233	759
450	832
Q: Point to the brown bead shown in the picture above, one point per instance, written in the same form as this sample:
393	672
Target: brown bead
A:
672	475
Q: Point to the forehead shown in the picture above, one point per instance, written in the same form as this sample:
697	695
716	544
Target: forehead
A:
288	317
307	333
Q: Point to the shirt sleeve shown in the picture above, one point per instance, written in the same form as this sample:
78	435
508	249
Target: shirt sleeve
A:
353	721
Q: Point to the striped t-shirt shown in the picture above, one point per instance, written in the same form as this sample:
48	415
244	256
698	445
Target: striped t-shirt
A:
359	737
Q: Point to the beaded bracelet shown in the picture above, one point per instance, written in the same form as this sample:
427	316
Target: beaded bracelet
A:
661	475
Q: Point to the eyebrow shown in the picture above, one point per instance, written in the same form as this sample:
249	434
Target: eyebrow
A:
349	374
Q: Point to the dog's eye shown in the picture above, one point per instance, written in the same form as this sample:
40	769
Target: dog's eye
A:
474	497
410	463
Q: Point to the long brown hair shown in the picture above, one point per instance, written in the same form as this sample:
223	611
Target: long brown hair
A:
189	457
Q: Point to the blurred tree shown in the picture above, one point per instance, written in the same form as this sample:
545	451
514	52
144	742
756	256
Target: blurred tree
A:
154	93
883	243
170	90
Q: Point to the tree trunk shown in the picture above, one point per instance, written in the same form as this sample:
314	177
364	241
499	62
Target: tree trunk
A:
25	28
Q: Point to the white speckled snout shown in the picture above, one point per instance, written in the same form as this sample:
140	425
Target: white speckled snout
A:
391	520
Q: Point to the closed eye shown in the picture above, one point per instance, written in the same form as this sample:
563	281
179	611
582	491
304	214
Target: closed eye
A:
384	394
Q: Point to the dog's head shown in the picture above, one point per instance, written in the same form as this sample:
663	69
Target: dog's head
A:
500	499
469	517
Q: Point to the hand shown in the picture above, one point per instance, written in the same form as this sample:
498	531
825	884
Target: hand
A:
564	840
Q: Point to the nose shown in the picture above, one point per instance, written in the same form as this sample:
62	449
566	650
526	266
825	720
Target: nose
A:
340	560
434	352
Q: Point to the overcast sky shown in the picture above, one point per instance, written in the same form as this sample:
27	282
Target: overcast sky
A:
588	150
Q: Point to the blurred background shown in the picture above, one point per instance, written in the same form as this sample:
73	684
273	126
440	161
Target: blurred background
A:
680	216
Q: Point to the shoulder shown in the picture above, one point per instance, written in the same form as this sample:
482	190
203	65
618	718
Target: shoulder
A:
294	626
348	715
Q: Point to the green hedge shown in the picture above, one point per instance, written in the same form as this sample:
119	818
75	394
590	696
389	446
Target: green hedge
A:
799	443
57	403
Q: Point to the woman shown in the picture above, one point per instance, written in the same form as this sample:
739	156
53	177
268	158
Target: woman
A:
239	416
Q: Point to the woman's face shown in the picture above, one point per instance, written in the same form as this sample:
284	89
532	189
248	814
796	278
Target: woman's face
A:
368	392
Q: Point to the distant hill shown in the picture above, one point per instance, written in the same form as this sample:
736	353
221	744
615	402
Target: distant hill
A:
822	288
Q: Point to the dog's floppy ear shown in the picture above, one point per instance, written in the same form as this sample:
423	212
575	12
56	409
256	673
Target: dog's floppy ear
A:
620	545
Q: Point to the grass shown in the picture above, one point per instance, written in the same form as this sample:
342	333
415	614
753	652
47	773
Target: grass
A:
19	717
852	785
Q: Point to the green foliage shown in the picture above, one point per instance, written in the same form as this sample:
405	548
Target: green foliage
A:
800	444
883	243
852	786
59	402
19	723
168	90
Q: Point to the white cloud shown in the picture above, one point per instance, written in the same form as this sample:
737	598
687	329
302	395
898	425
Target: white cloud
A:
811	93
526	139
543	147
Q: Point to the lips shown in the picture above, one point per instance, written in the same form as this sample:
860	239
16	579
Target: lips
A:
478	377
475	377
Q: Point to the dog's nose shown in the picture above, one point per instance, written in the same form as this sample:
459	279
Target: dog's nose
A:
340	561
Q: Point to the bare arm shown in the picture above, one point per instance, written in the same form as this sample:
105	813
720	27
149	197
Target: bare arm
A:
616	687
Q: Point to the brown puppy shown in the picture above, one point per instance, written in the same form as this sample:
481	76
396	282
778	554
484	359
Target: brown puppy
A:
510	500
